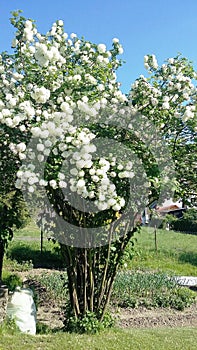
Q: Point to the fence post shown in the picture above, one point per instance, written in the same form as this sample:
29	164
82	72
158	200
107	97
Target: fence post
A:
41	241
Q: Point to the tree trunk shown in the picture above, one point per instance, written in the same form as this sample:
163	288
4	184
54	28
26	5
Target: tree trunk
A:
91	273
1	258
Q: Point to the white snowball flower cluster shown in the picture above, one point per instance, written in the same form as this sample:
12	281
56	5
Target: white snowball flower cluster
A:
150	61
189	113
101	48
29	31
45	55
40	95
172	93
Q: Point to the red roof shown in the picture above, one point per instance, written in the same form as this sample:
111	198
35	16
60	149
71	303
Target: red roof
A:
168	208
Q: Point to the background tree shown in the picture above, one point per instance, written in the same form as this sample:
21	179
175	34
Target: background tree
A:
170	101
91	158
13	210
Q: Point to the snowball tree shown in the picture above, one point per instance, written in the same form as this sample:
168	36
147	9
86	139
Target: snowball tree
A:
91	158
168	98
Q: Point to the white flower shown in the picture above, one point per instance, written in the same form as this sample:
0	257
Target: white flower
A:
92	171
53	184
154	101
101	48
188	114
120	50
43	182
81	184
74	171
154	62
28	24
22	156
21	147
99	59
60	23
62	184
165	105
48	143
40	157
111	202
40	147
65	106
32	180
31	189
122	202
14	42
145	59
95	178
120	167
18	183
77	77
116	207
36	131
22	128
171	60
91	194
40	95
115	40
73	35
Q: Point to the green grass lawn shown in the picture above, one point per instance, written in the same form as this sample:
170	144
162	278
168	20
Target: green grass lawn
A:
31	230
176	252
115	339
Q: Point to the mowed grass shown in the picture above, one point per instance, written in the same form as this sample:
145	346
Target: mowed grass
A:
115	339
25	248
31	230
176	252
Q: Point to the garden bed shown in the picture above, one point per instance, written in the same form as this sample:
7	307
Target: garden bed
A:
50	312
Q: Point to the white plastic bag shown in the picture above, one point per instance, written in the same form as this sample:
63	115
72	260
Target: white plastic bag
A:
22	309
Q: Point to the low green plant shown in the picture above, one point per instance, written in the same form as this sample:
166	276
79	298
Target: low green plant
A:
14	265
8	326
150	290
88	323
55	283
42	328
12	281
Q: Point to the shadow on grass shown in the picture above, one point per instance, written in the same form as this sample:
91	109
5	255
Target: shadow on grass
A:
188	257
24	252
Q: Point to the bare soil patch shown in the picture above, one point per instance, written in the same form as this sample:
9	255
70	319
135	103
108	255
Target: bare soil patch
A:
159	317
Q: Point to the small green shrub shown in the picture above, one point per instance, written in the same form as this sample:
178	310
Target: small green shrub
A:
188	223
88	323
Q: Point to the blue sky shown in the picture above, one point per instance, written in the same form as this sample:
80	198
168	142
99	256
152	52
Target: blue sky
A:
162	27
